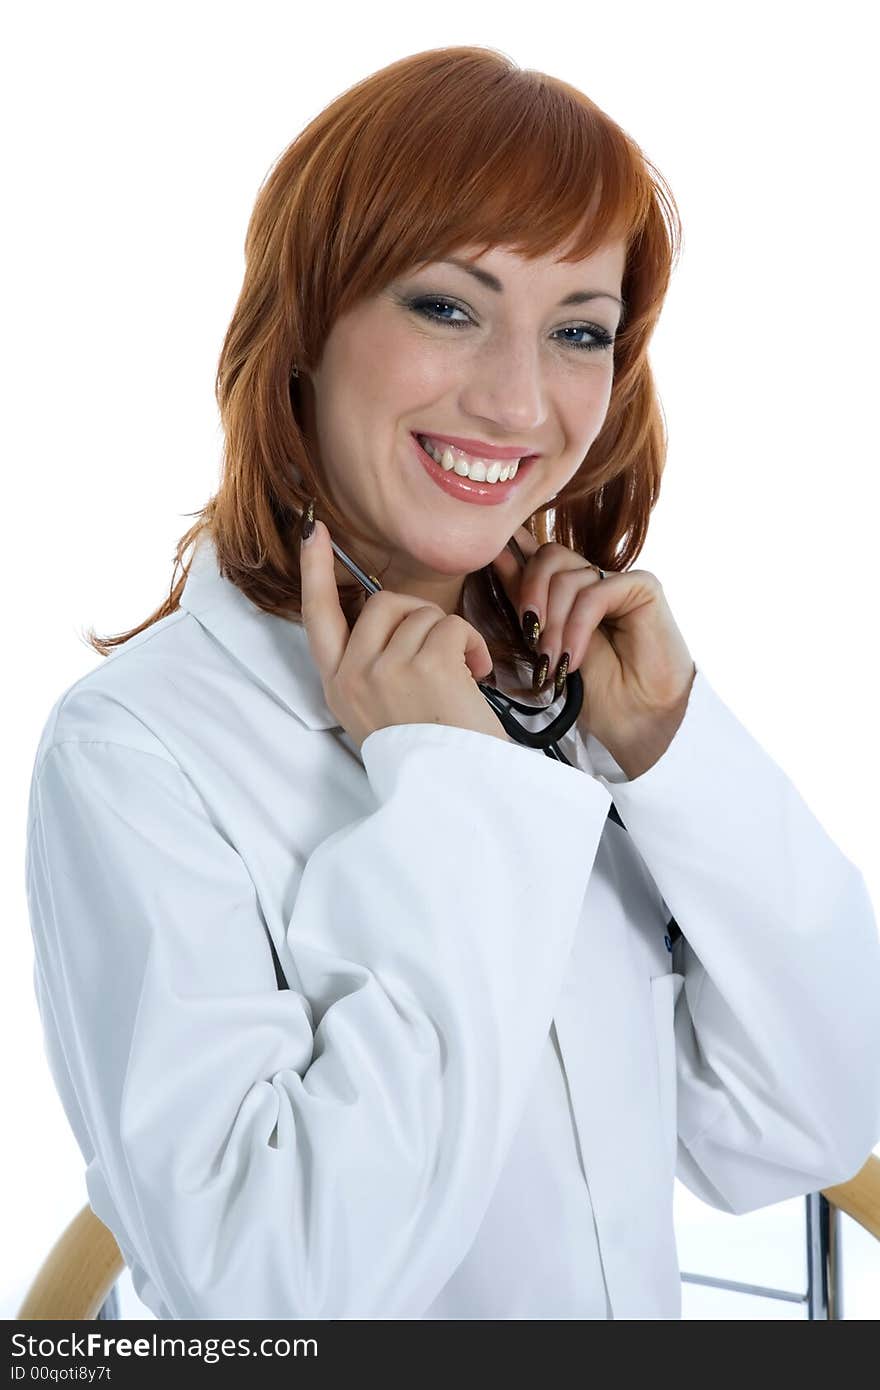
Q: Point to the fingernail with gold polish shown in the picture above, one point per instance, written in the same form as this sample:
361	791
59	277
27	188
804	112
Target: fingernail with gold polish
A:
531	628
541	668
561	673
308	520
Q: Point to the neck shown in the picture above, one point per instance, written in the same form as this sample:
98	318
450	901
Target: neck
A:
447	591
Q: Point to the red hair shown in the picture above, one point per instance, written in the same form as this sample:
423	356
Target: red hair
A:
362	195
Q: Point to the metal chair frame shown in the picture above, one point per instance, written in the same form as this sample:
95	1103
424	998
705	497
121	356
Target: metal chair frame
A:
823	1297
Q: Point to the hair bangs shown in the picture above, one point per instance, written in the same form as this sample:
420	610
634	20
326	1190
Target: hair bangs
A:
466	149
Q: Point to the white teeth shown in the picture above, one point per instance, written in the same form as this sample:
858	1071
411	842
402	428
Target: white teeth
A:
478	470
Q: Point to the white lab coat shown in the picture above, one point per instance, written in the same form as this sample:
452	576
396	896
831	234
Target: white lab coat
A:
489	1067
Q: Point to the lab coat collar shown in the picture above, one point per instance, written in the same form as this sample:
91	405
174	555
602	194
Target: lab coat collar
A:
275	650
277	653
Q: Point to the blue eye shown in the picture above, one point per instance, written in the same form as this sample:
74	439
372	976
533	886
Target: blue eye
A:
602	339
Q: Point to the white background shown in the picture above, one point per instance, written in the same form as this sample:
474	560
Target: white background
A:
135	139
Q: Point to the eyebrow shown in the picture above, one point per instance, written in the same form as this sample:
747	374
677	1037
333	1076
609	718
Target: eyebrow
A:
493	283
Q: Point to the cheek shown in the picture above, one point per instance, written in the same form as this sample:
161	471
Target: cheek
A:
398	379
420	372
587	405
585	413
599	388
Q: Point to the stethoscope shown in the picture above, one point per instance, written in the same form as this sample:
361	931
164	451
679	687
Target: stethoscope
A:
504	705
547	738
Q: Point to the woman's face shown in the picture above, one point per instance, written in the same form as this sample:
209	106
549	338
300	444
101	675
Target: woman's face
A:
513	367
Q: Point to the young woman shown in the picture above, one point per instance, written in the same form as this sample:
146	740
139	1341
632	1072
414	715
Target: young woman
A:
519	994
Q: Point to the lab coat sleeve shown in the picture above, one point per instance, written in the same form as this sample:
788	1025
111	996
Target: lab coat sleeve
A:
777	1023
327	1151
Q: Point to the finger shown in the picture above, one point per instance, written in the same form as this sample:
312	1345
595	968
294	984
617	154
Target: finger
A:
614	598
569	621
429	629
508	569
447	635
520	547
534	597
510	563
323	619
526	541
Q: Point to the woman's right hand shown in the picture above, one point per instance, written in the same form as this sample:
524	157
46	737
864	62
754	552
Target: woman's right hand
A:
404	661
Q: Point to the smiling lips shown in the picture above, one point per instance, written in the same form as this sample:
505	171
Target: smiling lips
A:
479	470
475	448
462	479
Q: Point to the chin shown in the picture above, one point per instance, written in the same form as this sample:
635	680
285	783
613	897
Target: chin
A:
446	556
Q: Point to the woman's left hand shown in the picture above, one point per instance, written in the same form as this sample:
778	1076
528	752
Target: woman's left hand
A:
619	633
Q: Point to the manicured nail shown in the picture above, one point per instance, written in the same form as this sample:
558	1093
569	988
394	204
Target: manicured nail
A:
541	668
561	673
531	628
308	521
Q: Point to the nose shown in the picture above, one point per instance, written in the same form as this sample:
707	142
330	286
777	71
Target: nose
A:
504	385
